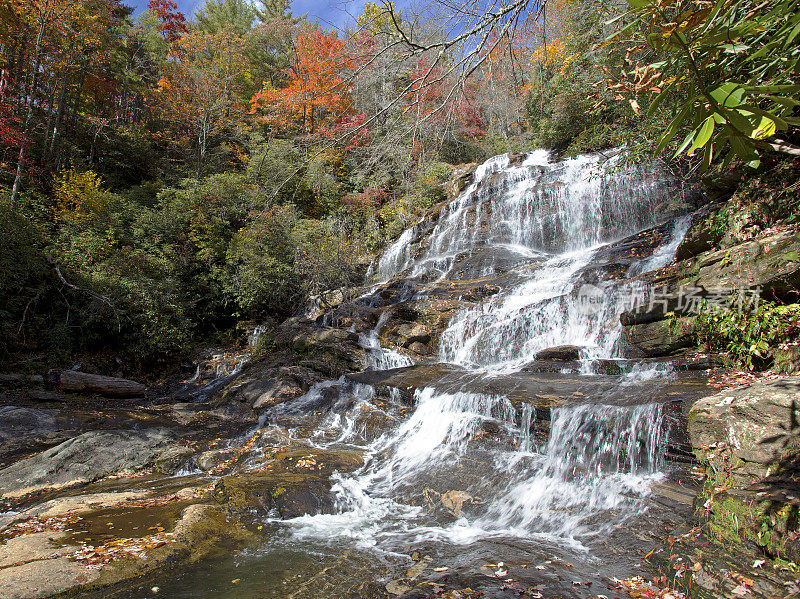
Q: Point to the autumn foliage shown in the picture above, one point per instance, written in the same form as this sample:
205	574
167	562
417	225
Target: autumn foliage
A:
319	92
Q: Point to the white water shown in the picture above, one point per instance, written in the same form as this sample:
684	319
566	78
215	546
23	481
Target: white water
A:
596	458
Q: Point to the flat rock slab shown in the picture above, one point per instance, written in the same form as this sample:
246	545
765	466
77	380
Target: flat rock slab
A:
44	578
86	458
33	547
544	389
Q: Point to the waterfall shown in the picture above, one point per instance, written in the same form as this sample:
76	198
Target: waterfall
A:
569	476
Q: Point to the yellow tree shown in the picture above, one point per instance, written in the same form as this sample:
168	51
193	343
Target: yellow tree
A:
39	17
199	93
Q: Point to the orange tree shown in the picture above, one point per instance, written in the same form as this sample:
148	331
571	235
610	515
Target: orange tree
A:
318	93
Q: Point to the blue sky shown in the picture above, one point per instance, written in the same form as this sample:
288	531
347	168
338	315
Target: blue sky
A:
329	13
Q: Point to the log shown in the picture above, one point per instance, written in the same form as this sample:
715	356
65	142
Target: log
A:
74	381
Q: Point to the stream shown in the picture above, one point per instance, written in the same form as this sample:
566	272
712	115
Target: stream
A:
487	467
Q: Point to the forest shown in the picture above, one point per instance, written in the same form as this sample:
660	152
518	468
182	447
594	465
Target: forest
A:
165	176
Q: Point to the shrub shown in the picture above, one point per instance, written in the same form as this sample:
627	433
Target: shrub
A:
260	272
78	196
750	333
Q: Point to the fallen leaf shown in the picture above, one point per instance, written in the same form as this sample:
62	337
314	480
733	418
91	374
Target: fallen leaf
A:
397	587
414	571
741	590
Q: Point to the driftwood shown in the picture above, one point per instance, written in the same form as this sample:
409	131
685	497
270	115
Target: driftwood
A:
74	381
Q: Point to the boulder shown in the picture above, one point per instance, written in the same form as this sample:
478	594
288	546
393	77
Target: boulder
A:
214	458
73	381
460	180
659	309
563	353
606	367
540	366
85	458
329	348
747	431
411	332
418	348
761	263
661	338
706	232
276	391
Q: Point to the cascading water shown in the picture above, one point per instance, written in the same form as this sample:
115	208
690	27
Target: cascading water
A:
554	220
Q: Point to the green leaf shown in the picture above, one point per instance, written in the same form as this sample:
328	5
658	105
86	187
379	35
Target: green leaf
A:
703	134
686	143
673	127
728	95
793	34
766	128
708	155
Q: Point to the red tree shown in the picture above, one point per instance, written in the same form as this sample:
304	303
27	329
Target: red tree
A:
11	135
173	23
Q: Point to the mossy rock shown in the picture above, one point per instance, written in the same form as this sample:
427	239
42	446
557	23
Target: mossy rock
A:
294	483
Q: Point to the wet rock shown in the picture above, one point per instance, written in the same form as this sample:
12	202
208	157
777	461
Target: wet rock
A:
661	338
412	332
480	293
747	431
659	309
760	263
564	353
418	348
296	482
337	349
73	381
274	391
42	564
83	459
305	410
73	505
209	460
699	362
173	459
606	367
460	180
540	366
704	234
202	527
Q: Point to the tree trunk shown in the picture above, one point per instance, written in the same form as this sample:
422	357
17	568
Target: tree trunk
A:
29	116
59	116
83	382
